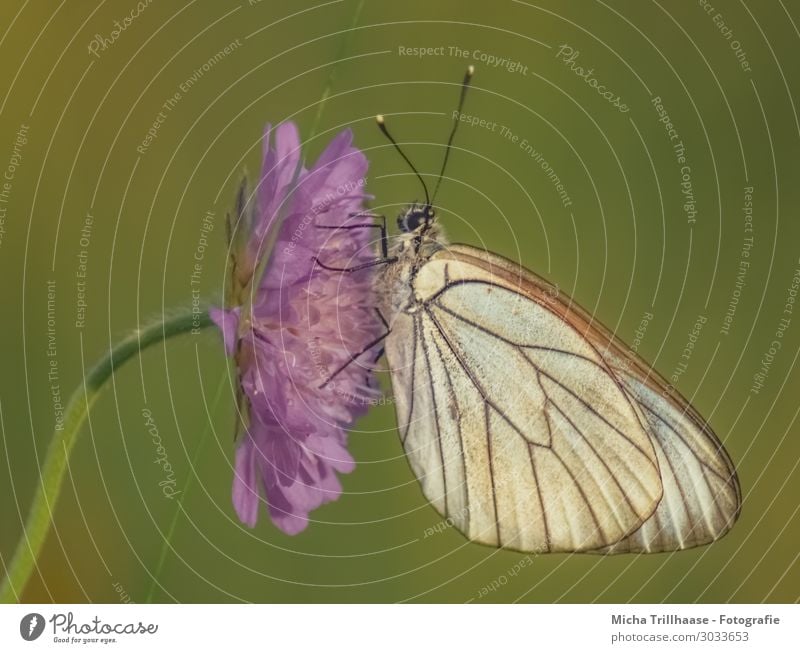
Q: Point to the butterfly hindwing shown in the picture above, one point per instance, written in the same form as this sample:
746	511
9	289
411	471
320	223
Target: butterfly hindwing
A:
701	494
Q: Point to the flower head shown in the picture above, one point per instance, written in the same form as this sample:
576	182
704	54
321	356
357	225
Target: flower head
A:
296	329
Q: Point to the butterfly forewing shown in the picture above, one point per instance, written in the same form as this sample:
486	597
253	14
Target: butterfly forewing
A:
512	421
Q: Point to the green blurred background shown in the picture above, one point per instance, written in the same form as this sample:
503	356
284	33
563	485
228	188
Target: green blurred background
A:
623	248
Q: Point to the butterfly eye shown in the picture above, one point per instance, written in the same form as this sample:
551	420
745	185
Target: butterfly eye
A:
405	222
411	220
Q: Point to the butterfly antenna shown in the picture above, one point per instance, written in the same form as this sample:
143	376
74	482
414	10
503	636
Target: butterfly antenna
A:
382	126
464	86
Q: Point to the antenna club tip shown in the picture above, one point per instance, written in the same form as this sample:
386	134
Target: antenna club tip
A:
470	70
379	119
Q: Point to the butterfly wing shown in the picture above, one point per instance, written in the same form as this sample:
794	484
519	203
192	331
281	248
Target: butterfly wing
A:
527	429
515	426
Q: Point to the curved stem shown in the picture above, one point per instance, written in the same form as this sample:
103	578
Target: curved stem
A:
37	524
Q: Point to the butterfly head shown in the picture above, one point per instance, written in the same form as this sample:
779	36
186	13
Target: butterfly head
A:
415	216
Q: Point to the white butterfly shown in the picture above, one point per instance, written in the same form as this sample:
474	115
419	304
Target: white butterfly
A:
528	425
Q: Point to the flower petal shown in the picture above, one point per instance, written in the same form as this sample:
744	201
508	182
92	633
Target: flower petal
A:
279	169
245	486
331	451
338	174
283	514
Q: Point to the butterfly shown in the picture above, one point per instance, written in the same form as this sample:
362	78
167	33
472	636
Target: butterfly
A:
528	424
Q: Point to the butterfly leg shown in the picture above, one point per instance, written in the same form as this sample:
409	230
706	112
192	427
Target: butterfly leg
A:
355	268
355	357
369	225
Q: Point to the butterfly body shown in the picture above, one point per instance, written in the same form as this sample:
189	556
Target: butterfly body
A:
409	252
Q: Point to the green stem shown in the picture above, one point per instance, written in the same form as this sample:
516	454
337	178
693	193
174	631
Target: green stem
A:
40	516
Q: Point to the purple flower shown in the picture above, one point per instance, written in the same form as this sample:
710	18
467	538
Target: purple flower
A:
291	324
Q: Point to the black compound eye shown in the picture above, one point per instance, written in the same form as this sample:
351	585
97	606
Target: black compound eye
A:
410	221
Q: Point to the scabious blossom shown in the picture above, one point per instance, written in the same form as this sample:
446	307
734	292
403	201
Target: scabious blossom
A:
290	324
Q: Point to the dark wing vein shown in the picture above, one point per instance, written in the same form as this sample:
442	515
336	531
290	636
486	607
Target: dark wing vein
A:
539	488
491	472
513	343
